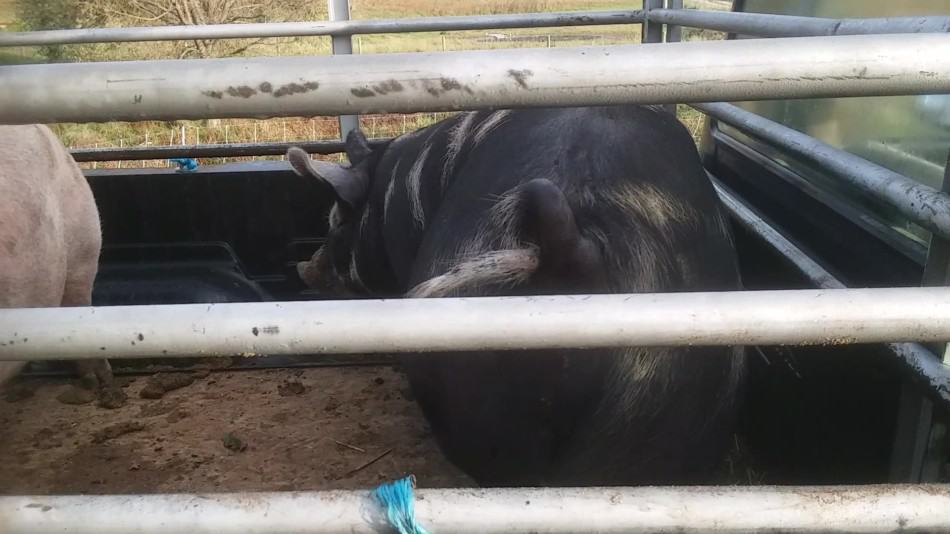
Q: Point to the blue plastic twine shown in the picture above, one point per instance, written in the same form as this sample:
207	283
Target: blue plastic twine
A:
396	498
185	164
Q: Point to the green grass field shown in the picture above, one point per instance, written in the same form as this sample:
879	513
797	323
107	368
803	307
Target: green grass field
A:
290	129
7	11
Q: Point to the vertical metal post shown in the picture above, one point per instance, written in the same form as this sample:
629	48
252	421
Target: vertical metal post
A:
674	33
342	44
652	31
914	417
937	273
917	443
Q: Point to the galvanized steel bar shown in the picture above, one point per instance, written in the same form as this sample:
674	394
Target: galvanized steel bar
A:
937	267
339	10
674	32
923	365
748	219
918	452
921	204
769	25
320	28
866	509
841	316
224	150
651	33
673	35
442	81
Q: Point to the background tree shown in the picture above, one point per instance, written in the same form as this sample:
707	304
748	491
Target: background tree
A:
59	14
189	13
56	15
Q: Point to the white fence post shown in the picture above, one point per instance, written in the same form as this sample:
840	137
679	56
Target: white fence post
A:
342	44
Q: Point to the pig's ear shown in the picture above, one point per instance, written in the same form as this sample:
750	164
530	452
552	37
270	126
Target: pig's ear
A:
357	147
547	220
350	185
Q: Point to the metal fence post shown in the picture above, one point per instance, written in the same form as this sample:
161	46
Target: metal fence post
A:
674	33
652	32
342	44
915	457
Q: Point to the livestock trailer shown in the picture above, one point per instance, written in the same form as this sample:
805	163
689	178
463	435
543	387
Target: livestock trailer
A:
832	160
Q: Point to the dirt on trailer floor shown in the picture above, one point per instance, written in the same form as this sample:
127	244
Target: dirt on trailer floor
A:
263	430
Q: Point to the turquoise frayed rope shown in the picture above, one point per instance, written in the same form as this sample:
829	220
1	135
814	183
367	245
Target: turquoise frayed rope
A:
397	500
185	164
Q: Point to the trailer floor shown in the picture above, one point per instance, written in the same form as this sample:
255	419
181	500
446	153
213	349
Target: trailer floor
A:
300	429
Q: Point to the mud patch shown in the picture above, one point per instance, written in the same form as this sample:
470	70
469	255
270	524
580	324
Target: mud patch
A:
177	415
116	430
46	439
76	396
160	384
112	398
242	91
520	77
18	392
233	443
201	373
157	408
294	88
291	388
389	86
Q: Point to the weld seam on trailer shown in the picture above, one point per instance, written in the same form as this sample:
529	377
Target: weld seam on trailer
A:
926	368
877	65
322	28
920	203
773	25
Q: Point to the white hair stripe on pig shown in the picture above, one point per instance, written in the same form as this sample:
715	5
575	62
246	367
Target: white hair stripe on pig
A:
506	268
390	189
413	184
457	138
489	124
354	273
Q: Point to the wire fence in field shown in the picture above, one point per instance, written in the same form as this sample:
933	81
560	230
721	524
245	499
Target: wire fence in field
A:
223	131
236	131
